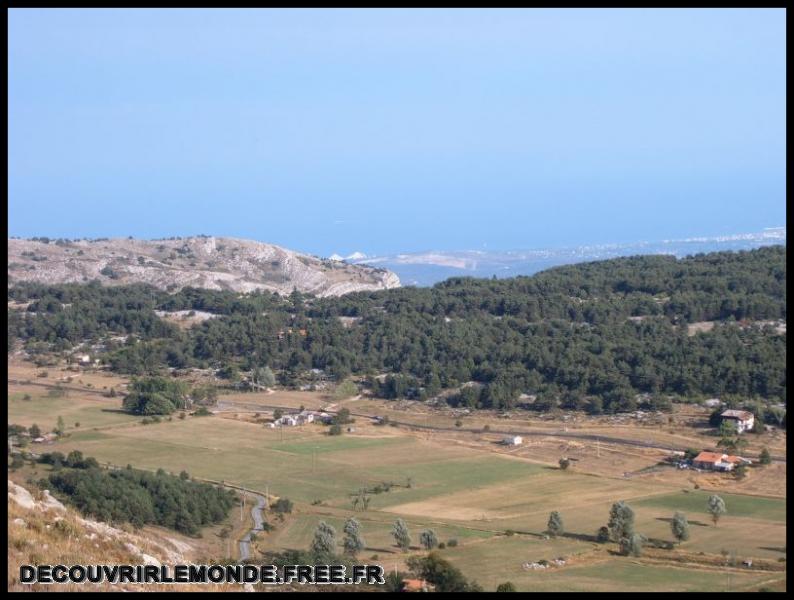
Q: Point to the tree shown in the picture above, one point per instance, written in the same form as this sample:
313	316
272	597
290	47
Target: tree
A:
361	500
441	573
564	463
342	417
205	395
155	396
680	527
765	458
602	535
324	542
621	521
231	372
779	414
34	431
632	545
726	428
507	586
740	472
335	429
716	508
394	581
277	414
428	539
74	459
353	541
264	376
345	389
138	497
283	505
401	534
732	444
555	526
61	426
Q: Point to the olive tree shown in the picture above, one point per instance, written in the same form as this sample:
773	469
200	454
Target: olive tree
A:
716	508
680	527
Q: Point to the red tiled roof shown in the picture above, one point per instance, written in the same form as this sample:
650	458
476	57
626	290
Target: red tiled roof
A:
715	457
414	585
711	457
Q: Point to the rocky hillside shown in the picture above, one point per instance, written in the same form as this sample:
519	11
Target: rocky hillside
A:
43	531
204	262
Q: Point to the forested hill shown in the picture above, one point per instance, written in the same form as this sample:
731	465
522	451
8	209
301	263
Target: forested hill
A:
584	335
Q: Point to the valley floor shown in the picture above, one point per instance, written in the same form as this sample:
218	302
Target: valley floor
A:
492	500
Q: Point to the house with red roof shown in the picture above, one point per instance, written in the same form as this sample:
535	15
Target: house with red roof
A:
716	461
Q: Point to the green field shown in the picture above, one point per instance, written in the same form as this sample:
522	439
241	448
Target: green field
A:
769	509
470	494
376	529
44	411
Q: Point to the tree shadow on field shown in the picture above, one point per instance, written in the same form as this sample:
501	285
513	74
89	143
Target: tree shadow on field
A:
582	537
780	549
381	550
670	520
115	411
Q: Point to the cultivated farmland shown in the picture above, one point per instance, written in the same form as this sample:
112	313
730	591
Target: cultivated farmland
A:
493	504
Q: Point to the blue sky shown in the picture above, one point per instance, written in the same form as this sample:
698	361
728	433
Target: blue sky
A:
397	130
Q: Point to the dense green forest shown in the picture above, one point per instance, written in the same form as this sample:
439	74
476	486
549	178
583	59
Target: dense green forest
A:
591	335
141	498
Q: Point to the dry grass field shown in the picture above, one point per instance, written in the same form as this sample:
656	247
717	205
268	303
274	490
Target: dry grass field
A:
463	485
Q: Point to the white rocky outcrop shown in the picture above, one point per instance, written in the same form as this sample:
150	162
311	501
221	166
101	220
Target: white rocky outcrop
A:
203	262
98	530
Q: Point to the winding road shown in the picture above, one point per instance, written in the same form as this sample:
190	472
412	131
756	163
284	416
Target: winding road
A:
257	516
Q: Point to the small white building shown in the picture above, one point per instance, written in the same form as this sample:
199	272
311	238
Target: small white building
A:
512	440
742	419
305	416
288	421
84	359
712	402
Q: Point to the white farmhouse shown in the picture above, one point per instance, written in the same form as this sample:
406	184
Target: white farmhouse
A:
305	417
742	419
512	440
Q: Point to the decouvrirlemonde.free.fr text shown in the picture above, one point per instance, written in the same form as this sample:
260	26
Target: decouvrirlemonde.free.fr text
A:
153	574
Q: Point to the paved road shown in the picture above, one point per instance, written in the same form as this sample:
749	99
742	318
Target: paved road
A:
256	515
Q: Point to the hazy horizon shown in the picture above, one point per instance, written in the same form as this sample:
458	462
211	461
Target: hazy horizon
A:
387	131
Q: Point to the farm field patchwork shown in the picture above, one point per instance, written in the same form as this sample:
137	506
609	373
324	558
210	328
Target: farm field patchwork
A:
468	493
496	561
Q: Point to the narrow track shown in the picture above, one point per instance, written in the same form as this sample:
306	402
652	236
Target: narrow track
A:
524	432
